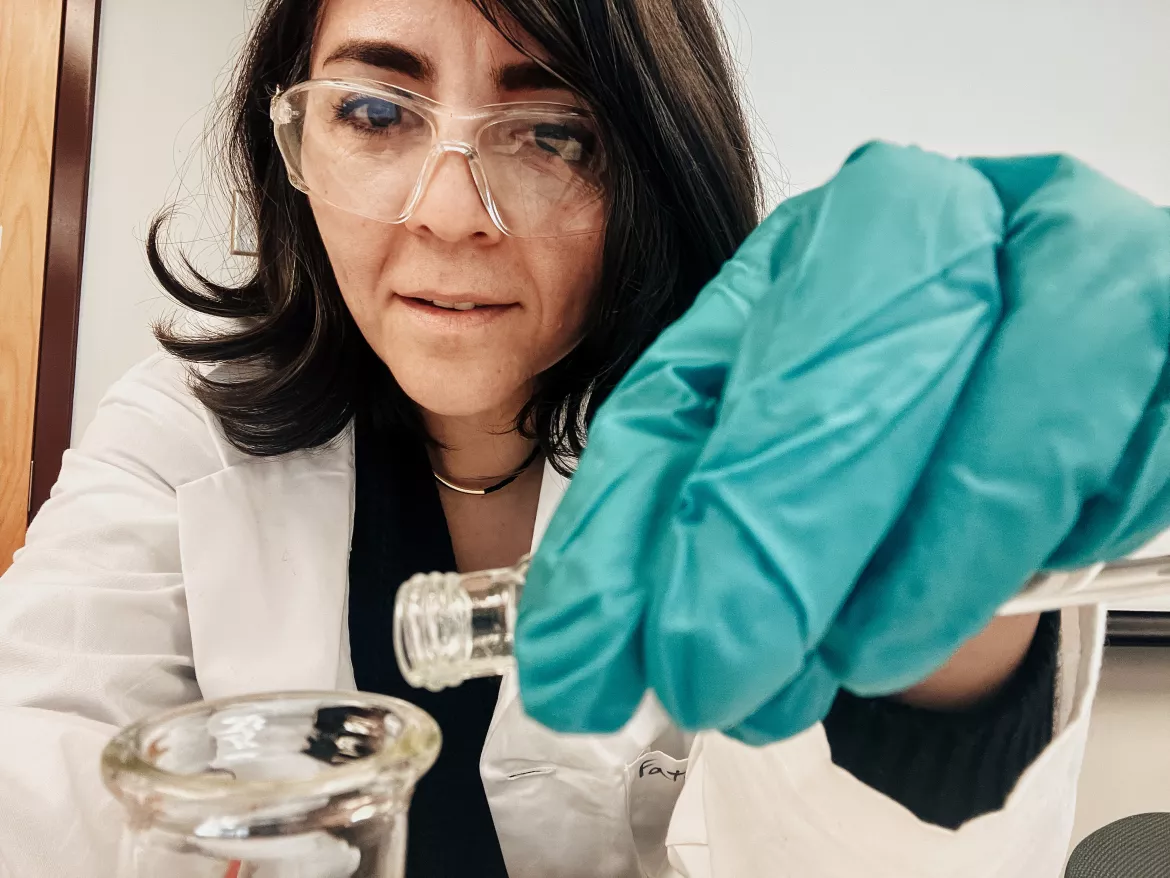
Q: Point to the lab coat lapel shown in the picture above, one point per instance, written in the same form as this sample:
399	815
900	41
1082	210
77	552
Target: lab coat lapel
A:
265	550
552	488
533	777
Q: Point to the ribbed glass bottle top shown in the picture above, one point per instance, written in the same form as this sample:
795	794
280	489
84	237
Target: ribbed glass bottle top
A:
451	627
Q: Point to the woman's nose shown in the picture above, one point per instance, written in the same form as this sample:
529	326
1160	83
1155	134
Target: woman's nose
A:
450	206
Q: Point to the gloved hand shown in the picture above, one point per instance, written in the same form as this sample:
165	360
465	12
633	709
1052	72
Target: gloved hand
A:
909	390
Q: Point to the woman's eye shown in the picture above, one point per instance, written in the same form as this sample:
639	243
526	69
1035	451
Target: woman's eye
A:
563	141
364	111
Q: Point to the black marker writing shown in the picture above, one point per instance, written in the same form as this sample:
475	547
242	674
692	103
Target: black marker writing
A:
648	768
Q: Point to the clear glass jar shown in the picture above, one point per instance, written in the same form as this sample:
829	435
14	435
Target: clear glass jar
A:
451	627
284	785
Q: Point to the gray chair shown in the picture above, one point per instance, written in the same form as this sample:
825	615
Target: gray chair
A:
1135	847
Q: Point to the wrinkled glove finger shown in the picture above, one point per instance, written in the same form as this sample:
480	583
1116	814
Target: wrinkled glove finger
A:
579	645
1038	432
1135	505
846	375
801	704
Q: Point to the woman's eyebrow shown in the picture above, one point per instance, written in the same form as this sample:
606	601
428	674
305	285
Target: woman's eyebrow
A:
517	76
385	56
527	76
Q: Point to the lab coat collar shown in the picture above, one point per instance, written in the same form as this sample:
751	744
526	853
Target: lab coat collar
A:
552	488
265	559
265	556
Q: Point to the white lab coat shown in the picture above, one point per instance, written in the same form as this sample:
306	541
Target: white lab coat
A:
168	566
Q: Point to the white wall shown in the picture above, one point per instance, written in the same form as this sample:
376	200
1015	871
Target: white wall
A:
976	77
159	65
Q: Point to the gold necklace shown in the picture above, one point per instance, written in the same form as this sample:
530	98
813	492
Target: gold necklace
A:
498	486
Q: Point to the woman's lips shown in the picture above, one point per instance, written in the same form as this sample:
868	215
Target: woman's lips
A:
452	319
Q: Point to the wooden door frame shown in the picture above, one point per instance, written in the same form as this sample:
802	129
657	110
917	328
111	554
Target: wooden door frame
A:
30	43
68	198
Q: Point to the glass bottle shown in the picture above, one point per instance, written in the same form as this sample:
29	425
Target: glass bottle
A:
285	785
451	627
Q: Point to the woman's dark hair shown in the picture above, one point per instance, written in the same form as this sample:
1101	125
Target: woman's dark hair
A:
683	193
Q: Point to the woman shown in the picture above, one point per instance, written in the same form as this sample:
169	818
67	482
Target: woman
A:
480	214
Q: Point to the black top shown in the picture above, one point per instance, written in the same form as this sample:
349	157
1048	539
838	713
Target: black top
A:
947	768
944	767
399	530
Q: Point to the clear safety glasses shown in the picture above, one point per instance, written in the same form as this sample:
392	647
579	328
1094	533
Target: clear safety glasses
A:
370	149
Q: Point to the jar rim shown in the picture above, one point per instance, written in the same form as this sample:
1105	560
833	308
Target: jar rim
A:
404	757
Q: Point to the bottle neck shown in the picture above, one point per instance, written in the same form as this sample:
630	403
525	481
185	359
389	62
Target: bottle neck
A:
451	627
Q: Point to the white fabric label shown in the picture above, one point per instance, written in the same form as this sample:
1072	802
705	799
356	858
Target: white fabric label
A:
653	783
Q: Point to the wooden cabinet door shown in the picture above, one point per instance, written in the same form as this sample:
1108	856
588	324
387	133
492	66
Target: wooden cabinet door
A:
30	37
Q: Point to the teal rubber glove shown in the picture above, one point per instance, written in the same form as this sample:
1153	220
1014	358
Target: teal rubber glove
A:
909	390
